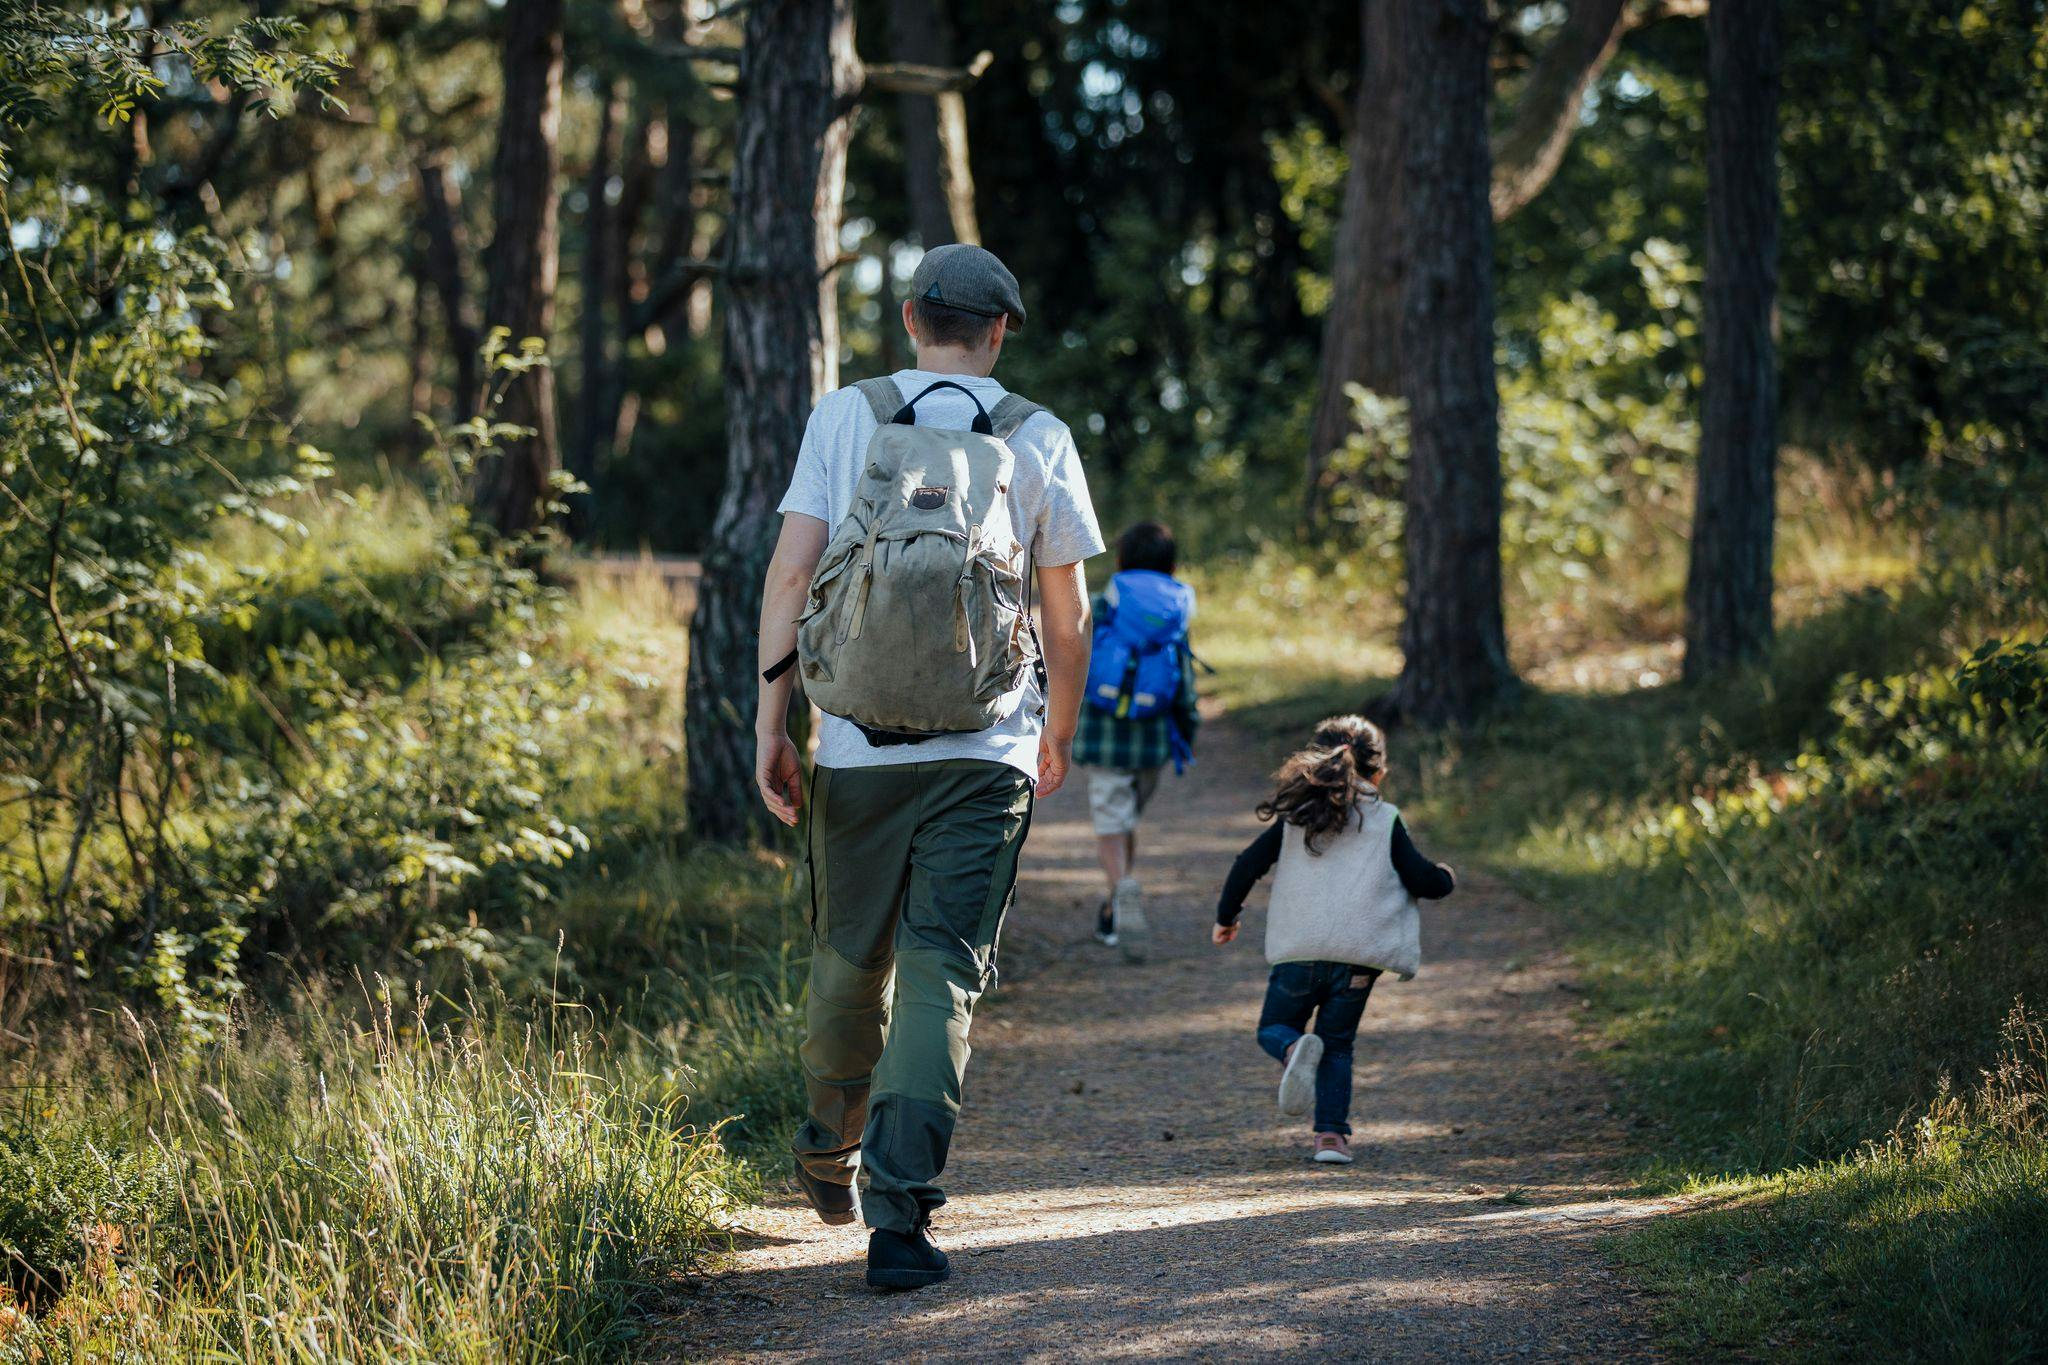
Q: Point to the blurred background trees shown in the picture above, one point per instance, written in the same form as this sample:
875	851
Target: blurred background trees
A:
1182	187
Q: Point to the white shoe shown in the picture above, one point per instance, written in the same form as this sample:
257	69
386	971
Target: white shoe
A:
1298	1080
1128	907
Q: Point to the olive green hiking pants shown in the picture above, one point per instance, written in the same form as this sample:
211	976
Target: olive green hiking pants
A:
912	869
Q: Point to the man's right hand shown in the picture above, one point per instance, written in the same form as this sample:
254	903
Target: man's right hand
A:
779	773
1055	757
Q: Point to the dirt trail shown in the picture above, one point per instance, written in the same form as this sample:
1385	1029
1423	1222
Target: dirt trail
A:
1122	1187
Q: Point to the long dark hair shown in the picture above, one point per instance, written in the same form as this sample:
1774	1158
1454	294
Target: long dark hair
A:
1319	787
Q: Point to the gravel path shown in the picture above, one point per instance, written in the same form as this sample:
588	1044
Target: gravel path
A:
1122	1187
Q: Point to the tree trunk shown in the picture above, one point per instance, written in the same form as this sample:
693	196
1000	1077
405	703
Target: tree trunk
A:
441	213
419	357
800	75
1728	584
937	178
1362	334
525	256
1453	642
1361	338
675	191
598	409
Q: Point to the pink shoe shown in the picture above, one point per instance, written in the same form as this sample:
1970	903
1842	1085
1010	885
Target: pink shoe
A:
1332	1150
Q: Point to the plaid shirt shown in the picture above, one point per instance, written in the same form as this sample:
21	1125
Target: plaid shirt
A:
1105	741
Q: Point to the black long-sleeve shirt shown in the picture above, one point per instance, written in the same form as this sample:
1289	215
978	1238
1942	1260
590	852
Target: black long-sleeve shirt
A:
1425	880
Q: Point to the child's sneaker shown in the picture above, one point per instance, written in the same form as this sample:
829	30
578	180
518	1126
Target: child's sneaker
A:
1331	1149
1105	926
1127	911
1298	1078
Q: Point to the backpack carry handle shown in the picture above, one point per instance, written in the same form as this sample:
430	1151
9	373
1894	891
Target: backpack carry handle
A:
906	416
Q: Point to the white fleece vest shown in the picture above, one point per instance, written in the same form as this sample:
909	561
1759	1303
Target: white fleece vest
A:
1345	903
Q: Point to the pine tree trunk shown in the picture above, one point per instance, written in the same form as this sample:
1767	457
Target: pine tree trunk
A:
681	232
799	74
441	214
937	179
525	256
597	409
419	359
1453	641
1728	584
1362	334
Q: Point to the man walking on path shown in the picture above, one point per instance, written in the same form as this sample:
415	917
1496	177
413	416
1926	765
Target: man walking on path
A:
913	847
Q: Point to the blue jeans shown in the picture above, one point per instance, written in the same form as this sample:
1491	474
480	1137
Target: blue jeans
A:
1335	993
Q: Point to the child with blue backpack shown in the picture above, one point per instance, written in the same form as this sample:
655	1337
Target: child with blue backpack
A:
1138	717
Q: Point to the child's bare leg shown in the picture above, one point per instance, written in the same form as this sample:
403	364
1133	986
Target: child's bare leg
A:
1130	854
1113	851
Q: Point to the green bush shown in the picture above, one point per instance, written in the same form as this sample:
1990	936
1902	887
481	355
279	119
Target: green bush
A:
65	1198
1595	435
243	718
1853	926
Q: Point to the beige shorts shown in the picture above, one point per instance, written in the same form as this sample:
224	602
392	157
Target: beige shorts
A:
1117	797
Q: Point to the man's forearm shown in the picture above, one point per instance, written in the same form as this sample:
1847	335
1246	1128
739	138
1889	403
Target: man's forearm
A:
1064	632
779	610
783	594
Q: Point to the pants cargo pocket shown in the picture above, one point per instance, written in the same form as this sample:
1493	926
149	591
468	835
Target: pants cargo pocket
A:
856	849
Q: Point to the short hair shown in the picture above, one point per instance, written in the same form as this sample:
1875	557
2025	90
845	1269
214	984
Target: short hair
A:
941	325
1147	545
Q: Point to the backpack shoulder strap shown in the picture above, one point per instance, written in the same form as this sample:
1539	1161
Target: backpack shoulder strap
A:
884	398
1012	412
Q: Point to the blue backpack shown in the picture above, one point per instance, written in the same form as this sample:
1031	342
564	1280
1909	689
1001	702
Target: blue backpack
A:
1140	640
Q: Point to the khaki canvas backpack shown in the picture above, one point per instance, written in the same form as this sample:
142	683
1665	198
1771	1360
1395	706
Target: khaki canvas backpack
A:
917	623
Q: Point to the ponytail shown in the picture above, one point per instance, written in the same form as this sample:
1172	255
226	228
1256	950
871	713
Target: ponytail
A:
1321	787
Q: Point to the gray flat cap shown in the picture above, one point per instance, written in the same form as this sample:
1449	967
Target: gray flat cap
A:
970	279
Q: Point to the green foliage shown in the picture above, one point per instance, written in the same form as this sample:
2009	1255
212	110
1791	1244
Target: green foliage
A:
1595	425
1916	196
108	56
226	732
65	1199
1854	923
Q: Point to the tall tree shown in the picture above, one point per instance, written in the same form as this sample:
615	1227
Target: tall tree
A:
1453	641
597	408
799	77
1728	583
525	254
447	248
1362	332
937	177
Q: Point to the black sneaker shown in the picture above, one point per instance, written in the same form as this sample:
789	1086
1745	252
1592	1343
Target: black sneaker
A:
1105	926
905	1260
834	1204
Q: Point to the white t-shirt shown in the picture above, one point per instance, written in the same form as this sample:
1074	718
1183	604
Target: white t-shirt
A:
1048	498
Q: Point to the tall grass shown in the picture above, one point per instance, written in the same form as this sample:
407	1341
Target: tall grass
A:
1923	1246
384	1190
